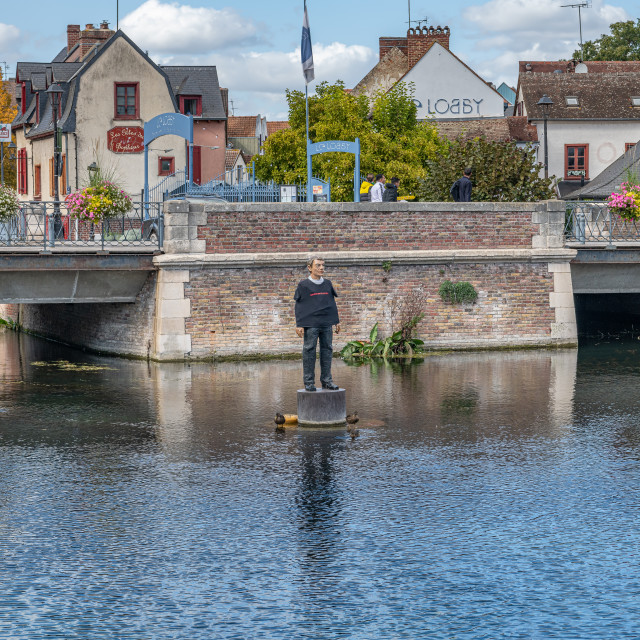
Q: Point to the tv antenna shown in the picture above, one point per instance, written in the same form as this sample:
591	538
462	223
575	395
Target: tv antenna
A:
579	6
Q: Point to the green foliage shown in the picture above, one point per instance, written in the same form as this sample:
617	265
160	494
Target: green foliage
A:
392	142
501	172
397	344
457	293
386	265
623	43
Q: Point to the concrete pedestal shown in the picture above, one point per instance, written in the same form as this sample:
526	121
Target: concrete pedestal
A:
322	408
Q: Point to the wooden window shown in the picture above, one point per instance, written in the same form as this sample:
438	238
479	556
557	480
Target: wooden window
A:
22	171
166	166
63	176
628	145
37	184
576	161
51	180
127	101
191	105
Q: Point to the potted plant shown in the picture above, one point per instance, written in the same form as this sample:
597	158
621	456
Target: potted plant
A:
9	207
98	203
626	203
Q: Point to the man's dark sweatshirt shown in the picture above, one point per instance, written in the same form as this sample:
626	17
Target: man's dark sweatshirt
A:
316	304
465	189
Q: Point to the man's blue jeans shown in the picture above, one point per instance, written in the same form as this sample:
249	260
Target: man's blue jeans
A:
311	337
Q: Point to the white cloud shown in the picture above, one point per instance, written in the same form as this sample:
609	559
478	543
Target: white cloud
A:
171	27
514	30
275	71
10	42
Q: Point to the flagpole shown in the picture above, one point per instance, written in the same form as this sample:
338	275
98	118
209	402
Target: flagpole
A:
306	101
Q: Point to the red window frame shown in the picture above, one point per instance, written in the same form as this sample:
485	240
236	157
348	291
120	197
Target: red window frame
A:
571	151
22	171
628	145
198	100
172	168
127	85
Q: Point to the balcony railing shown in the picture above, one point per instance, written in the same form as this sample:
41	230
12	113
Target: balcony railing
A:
594	222
49	224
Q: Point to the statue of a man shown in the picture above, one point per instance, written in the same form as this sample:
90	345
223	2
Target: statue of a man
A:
316	315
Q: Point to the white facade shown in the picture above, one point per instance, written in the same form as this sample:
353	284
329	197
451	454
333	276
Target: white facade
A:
606	141
445	88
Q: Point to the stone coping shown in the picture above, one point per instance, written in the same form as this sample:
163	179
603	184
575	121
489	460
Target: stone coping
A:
360	258
201	205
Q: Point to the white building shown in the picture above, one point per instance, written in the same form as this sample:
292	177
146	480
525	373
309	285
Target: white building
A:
445	87
594	118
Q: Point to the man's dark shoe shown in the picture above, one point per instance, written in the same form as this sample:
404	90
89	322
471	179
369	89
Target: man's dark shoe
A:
309	387
330	386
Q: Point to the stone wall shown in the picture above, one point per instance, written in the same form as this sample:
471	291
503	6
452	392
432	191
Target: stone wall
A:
240	264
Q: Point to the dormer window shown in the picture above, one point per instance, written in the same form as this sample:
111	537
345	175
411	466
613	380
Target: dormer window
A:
635	101
572	101
191	105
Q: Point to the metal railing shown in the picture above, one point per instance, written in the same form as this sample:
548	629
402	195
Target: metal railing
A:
48	224
595	222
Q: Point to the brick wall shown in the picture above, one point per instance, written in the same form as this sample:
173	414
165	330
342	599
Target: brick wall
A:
244	311
246	228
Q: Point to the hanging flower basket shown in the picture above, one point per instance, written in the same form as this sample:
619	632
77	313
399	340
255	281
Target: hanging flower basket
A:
98	202
626	203
9	203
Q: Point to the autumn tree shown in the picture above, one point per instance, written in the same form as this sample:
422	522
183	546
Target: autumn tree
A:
392	140
623	43
501	172
7	114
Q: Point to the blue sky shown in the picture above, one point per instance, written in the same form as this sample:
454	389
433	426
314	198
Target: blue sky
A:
255	44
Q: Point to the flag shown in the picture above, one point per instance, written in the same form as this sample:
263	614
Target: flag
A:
305	49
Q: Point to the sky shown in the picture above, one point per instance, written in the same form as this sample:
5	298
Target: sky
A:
255	45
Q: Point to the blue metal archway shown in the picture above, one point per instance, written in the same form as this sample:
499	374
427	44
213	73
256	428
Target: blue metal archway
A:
334	146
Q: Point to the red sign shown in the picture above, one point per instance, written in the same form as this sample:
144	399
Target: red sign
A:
125	139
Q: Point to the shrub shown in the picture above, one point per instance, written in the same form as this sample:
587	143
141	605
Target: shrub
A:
457	293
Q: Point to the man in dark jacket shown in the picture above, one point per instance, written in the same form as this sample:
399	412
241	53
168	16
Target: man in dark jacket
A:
461	188
391	192
316	314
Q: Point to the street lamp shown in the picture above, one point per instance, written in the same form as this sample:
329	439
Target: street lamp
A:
545	103
55	93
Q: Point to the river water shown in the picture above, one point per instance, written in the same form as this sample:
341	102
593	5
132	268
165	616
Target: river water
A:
488	495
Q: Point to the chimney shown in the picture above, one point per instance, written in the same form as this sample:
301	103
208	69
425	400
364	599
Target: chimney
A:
104	24
89	26
421	39
73	35
92	36
387	44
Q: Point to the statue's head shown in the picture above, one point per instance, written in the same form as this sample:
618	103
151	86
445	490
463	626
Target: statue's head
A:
315	264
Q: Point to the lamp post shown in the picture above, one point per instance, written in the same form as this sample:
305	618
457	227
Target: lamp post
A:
55	93
545	103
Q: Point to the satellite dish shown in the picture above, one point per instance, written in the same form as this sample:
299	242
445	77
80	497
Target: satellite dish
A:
581	67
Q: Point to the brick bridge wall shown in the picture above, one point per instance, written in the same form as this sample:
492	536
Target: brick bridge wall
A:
225	284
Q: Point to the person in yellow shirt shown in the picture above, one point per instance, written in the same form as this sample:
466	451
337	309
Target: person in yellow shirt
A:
364	188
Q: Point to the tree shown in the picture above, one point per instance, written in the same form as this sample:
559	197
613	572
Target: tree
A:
623	43
501	172
392	141
7	114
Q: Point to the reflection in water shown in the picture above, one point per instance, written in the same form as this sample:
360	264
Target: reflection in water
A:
156	501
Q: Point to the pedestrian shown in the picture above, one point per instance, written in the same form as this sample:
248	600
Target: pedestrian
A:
461	189
365	187
391	192
316	315
378	188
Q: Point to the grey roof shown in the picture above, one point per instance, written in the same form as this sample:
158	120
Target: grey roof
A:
199	81
609	180
61	56
602	96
